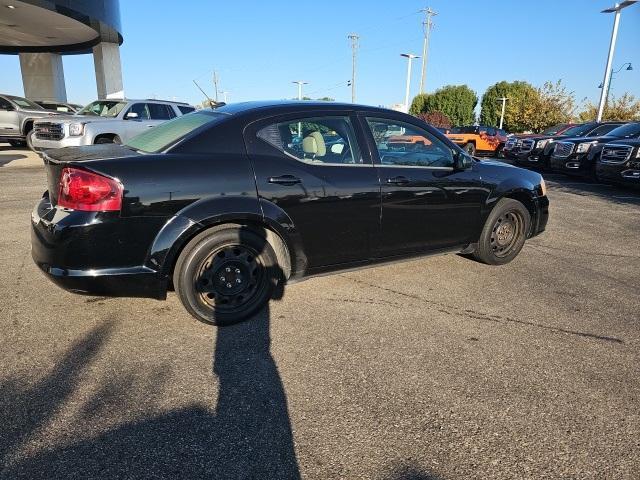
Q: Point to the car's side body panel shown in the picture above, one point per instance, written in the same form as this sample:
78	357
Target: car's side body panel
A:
333	219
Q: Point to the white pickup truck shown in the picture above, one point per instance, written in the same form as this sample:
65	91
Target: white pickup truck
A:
103	121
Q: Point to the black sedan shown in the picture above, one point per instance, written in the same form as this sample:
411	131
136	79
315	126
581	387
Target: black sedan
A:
225	206
578	156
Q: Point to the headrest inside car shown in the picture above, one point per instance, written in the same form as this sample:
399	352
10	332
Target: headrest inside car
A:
313	144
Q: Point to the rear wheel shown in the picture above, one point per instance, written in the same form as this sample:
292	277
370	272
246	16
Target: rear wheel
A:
226	274
504	233
470	148
104	139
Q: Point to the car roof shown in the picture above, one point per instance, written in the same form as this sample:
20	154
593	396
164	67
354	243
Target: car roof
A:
130	100
296	105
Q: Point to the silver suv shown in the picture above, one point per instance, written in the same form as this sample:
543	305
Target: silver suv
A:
104	121
17	115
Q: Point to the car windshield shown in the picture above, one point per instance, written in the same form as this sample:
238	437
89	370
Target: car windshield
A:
602	130
103	108
166	134
630	130
24	103
464	130
578	130
553	130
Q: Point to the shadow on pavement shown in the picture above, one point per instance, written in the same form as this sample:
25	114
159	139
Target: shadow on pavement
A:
247	434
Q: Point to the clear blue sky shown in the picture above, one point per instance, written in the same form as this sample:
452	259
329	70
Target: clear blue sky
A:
259	47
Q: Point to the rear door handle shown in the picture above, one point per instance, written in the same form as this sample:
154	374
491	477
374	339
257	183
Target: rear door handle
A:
399	180
285	180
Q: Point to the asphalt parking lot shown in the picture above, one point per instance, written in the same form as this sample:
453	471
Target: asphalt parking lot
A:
436	368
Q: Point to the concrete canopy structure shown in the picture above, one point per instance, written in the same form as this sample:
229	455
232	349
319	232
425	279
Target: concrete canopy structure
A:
41	31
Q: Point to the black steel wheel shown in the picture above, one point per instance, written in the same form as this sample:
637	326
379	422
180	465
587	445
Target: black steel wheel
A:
504	233
226	274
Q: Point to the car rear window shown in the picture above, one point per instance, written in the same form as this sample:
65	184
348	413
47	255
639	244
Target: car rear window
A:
166	134
185	109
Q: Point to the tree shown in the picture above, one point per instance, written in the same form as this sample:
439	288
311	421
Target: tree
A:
457	102
437	119
517	92
625	108
528	108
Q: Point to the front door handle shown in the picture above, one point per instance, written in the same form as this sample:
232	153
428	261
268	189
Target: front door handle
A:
285	180
399	180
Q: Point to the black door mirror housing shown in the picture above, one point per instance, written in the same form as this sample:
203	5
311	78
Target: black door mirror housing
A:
462	161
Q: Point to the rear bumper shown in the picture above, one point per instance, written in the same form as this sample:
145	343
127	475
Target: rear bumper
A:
77	256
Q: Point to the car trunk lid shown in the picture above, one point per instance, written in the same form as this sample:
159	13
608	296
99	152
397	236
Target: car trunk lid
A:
57	159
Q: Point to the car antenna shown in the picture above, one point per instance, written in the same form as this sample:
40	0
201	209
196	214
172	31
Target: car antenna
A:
212	103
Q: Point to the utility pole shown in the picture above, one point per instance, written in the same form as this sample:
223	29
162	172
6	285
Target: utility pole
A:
409	57
427	25
504	102
354	48
224	94
215	84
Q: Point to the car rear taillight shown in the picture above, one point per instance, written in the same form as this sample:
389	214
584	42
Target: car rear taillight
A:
88	191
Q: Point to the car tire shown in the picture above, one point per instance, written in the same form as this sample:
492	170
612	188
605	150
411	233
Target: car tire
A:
17	143
117	140
30	140
226	274
504	233
499	152
103	140
470	148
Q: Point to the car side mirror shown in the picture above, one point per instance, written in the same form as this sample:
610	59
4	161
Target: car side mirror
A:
131	116
462	161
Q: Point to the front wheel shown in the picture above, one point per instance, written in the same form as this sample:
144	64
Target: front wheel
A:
226	274
504	233
470	148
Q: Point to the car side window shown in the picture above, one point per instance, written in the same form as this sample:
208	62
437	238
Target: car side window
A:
491	131
403	144
5	104
184	109
317	140
160	111
141	109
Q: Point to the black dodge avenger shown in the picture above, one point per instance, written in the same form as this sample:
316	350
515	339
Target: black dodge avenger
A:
226	206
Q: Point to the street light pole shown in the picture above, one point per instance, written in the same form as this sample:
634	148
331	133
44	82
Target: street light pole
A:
611	76
410	58
504	102
300	83
612	46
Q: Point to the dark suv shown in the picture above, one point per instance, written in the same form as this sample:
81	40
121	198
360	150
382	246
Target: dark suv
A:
577	156
619	162
535	151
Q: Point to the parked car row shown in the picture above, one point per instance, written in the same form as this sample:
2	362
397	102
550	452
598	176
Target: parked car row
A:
44	124
17	116
104	121
605	151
